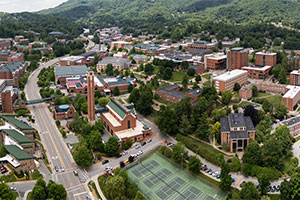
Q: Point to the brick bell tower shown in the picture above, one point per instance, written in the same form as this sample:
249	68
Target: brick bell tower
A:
91	95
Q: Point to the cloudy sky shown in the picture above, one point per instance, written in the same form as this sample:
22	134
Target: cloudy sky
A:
27	5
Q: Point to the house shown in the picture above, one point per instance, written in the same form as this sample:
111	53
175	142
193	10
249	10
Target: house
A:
62	73
150	48
236	131
108	84
121	121
140	58
117	63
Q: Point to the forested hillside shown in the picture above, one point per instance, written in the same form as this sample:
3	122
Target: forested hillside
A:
14	24
154	15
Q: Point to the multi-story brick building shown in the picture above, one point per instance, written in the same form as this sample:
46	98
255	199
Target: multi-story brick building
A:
16	57
14	137
62	73
21	126
215	61
236	131
265	59
63	112
121	121
13	71
293	124
83	59
108	84
295	77
227	80
258	72
119	44
5	44
117	63
200	44
173	94
292	97
237	58
245	92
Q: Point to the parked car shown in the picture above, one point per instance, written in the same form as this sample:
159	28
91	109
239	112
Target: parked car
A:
137	147
104	162
233	180
125	153
108	168
150	140
13	188
143	143
119	156
269	189
141	152
75	173
218	176
62	169
56	169
204	168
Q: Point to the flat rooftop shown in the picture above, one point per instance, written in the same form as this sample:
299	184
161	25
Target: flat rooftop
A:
266	53
72	58
293	91
79	70
258	68
295	72
132	131
230	75
291	121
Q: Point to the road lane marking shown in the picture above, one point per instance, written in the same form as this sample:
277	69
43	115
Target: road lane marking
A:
71	184
80	193
59	156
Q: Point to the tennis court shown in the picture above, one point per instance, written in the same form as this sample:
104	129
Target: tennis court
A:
160	179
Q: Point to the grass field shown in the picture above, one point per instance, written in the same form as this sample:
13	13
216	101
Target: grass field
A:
274	99
178	76
160	179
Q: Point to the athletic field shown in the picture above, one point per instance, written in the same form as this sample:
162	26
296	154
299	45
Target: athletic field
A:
160	179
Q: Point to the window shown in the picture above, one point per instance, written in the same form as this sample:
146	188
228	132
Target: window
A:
240	143
128	123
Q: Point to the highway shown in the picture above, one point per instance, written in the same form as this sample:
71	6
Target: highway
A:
57	151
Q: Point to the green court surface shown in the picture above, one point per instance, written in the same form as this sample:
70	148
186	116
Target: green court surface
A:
161	179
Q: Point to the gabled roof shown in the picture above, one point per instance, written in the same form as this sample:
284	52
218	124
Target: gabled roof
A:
21	139
18	124
117	108
18	153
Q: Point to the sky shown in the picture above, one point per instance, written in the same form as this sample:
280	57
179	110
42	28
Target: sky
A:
27	5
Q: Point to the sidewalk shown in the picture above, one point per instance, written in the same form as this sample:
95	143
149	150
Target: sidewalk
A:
95	179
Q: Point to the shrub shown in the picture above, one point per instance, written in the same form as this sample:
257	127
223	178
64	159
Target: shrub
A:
255	170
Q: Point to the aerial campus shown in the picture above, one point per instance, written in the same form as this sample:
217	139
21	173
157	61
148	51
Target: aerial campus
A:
109	115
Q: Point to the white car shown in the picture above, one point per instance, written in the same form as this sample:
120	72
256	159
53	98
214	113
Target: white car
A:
108	169
62	169
137	147
124	153
140	152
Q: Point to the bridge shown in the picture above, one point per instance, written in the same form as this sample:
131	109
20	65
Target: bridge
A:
36	101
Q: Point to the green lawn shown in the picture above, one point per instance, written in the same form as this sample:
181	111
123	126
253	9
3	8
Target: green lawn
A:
245	103
263	94
207	76
178	76
290	165
274	99
297	138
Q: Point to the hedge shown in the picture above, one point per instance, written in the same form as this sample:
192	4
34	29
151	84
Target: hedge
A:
204	150
255	170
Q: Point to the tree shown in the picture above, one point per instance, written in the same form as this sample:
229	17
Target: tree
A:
226	97
185	81
149	69
84	107
235	165
216	131
166	121
139	196
237	87
267	106
282	76
252	113
220	45
272	153
103	101
184	65
134	96
116	91
198	78
144	103
254	91
194	164
95	141
112	146
280	110
5	192
83	156
115	187
264	184
252	154
2	151
109	70
38	193
249	192
56	191
130	88
203	129
191	72
282	134
226	181
179	154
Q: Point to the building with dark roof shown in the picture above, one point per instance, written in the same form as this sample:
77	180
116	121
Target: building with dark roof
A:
13	71
121	121
19	159
237	58
14	137
172	93
236	131
22	126
62	73
293	125
108	84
